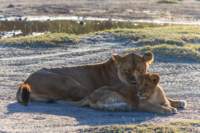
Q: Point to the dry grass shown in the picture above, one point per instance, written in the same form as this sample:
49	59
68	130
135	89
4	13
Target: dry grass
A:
183	126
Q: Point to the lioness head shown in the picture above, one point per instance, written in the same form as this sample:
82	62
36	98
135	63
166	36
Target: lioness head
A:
131	66
147	85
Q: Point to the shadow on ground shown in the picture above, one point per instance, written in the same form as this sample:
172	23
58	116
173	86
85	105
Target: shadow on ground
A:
85	116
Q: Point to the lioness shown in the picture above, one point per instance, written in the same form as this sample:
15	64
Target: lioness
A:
147	95
75	83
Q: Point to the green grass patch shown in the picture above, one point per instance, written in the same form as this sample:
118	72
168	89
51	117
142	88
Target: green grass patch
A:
49	38
172	50
169	1
173	33
183	126
195	47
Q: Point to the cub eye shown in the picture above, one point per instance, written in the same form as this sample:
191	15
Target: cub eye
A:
126	71
141	70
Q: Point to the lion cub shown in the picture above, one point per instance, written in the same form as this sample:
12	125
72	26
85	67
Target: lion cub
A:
147	95
153	98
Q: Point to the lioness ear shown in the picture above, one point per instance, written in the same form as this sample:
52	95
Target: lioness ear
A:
148	57
19	85
116	58
155	78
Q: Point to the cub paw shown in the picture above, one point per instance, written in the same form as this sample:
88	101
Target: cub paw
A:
170	111
182	104
174	111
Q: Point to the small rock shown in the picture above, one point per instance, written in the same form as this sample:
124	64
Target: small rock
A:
10	6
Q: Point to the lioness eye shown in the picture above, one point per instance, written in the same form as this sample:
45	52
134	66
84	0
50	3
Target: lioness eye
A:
126	71
141	70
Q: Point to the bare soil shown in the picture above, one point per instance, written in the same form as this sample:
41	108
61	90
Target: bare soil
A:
179	77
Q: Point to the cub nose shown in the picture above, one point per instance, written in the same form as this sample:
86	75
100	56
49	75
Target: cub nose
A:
131	77
141	92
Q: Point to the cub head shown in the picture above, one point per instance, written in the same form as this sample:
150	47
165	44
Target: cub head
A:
131	66
147	85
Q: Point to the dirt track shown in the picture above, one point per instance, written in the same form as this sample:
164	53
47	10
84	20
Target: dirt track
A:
179	77
135	9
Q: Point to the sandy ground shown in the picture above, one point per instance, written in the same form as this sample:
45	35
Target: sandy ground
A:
179	77
135	9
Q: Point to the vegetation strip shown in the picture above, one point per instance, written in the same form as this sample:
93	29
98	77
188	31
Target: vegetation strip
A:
175	40
183	126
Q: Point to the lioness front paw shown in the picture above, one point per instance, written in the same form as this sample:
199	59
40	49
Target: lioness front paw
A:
182	104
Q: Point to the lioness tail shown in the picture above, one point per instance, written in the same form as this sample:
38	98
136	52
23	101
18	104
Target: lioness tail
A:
23	94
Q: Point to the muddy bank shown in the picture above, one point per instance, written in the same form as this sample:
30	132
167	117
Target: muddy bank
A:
38	25
134	9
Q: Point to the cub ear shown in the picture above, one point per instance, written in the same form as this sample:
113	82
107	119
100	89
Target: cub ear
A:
148	57
155	78
116	58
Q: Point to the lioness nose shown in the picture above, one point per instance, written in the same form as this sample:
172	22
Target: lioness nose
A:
140	93
132	78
